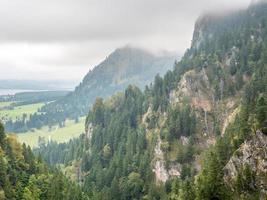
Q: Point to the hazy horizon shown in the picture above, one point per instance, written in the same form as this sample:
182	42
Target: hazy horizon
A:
55	40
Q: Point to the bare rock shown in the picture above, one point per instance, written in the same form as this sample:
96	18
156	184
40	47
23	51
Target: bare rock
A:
252	153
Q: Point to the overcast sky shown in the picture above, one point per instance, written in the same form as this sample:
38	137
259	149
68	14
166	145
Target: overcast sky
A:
63	39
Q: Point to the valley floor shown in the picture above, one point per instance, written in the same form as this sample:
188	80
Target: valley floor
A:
59	134
56	133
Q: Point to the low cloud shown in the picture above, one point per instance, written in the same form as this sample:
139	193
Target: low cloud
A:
53	35
69	20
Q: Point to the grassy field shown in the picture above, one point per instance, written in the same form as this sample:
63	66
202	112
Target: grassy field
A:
4	104
64	134
18	111
55	133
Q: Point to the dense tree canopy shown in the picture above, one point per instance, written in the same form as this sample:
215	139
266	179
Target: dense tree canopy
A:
116	155
22	176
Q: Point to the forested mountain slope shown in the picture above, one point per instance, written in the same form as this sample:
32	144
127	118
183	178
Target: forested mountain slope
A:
23	176
176	139
122	67
127	65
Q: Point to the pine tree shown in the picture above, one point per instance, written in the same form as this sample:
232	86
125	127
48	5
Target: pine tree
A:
2	136
210	183
261	113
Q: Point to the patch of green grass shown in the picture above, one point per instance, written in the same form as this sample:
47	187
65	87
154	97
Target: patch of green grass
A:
63	134
18	111
4	104
55	133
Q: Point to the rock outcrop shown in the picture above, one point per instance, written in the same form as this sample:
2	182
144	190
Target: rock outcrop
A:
162	174
252	153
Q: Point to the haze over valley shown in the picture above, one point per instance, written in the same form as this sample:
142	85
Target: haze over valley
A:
135	99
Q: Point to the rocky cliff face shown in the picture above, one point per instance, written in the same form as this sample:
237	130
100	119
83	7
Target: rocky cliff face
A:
251	154
214	87
162	173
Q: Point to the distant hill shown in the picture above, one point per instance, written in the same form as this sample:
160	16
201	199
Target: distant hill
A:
24	98
121	68
36	84
125	66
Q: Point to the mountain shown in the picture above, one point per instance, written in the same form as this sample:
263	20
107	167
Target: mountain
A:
247	163
178	137
124	66
36	85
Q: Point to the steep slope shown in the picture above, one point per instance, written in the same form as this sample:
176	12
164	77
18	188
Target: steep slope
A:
250	158
124	66
174	139
22	176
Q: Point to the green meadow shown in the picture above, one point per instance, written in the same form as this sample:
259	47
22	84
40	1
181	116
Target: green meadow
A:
63	134
4	104
18	111
55	133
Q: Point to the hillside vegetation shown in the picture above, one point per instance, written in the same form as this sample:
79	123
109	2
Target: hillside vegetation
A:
122	67
175	139
23	176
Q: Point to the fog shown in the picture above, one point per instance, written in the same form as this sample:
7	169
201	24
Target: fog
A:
56	39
